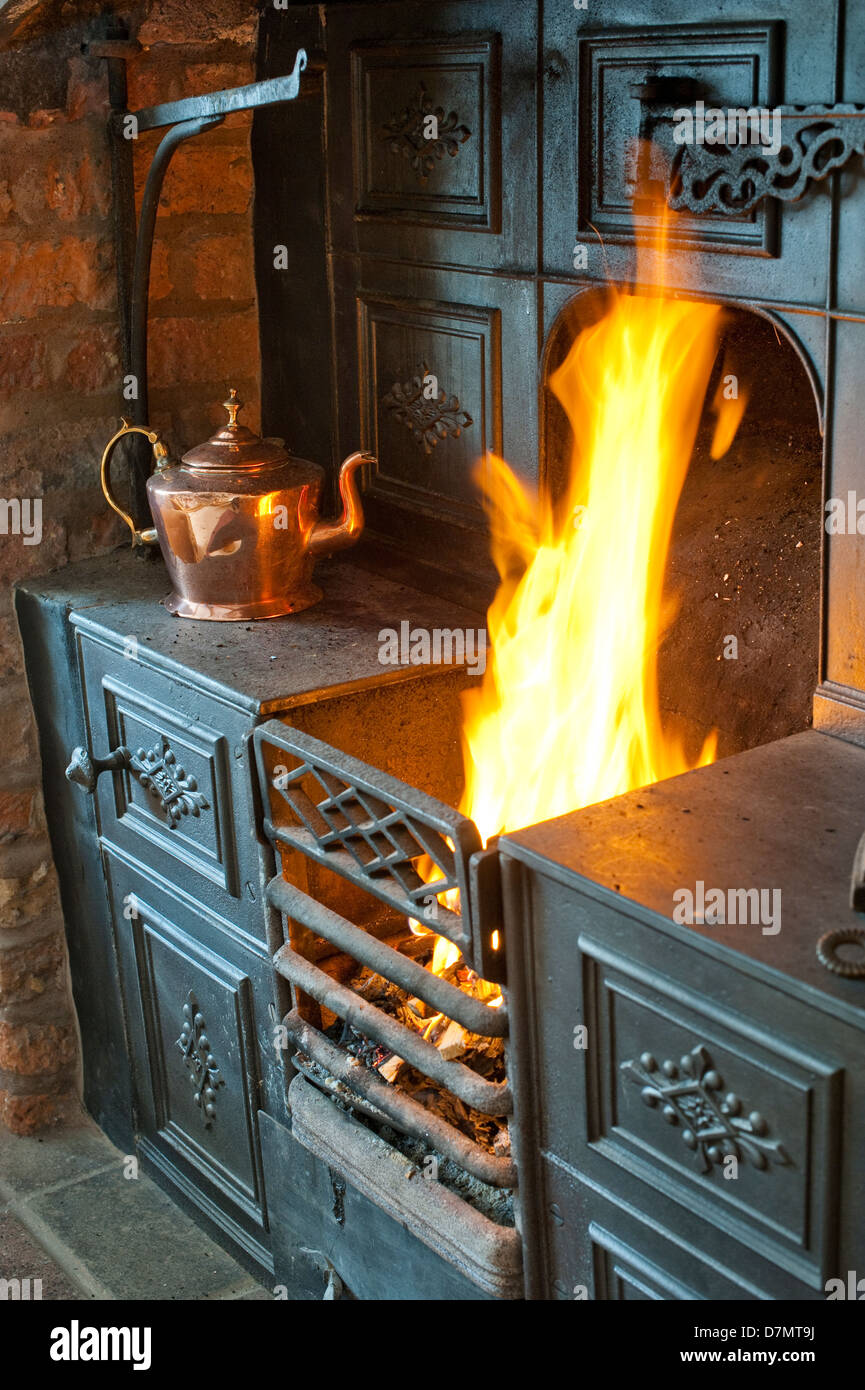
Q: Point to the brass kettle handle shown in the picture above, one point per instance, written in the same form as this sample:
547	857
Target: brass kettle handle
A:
160	453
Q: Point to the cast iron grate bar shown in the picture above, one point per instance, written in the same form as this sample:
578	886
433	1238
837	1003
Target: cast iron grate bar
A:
473	1014
371	828
404	1112
489	1097
374	830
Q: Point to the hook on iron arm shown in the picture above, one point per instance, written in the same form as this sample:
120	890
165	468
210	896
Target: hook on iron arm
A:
190	117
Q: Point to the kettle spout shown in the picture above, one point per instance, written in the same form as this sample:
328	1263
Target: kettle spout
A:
326	536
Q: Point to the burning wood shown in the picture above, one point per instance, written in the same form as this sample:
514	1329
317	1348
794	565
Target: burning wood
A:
453	1043
481	1054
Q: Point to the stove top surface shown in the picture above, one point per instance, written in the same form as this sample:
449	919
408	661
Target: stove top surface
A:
784	816
266	666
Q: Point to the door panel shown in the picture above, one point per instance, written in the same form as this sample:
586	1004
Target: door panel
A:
201	1047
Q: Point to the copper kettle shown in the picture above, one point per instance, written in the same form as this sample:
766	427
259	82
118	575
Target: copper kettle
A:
237	522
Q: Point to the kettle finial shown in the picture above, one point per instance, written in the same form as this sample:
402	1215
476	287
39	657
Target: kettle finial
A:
232	405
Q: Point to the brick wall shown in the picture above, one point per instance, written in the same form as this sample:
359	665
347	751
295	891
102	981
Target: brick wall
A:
60	399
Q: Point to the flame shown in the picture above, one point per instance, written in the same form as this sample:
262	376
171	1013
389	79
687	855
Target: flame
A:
567	714
729	409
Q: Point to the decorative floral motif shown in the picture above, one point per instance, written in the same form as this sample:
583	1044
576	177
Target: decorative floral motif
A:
712	1124
407	134
429	419
159	772
734	178
199	1060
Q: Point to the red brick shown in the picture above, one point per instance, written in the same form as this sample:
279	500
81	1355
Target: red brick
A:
102	531
87	92
93	364
40	120
79	190
216	77
40	275
15	812
22	362
27	1114
25	896
27	185
18	559
176	21
49	174
16	724
187	349
206	178
28	1049
28	971
23	752
222	267
156	76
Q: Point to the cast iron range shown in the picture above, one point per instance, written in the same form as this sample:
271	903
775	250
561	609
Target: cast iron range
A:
373	830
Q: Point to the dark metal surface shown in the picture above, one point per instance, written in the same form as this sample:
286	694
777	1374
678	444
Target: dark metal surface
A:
733	179
163	912
269	666
488	1253
156	769
187	118
323	1217
857	878
489	1097
273	92
116	47
786	816
740	1044
55	690
144	251
370	828
374	830
827	952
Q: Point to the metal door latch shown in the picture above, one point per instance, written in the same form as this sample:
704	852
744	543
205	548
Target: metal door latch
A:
157	770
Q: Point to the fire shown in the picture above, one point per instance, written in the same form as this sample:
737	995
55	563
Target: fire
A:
568	711
729	407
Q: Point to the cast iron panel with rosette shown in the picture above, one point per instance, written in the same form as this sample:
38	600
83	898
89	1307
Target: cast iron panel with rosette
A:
736	65
683	1096
201	1047
426	123
430	381
201	838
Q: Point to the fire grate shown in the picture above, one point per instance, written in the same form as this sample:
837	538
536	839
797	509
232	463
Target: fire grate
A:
373	830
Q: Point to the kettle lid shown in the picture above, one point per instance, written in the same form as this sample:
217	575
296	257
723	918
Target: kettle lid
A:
235	446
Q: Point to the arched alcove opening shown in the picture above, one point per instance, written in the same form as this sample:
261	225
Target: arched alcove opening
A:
741	656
